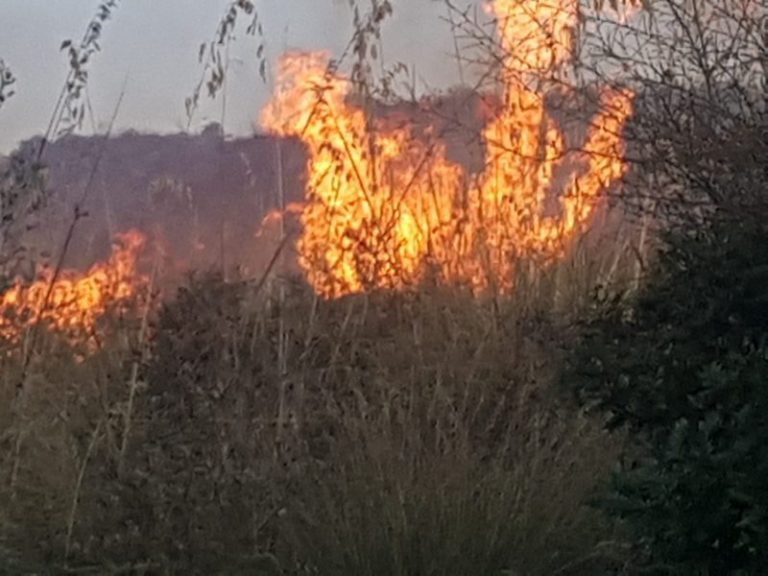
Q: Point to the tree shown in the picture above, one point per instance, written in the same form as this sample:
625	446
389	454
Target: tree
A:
698	68
683	364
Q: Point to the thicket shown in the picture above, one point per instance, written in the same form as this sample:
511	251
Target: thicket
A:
684	367
681	364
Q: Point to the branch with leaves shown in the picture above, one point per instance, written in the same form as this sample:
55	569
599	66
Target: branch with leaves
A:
214	54
699	68
70	108
7	80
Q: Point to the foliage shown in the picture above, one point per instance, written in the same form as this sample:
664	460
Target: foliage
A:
418	433
71	107
698	69
214	54
7	80
378	435
684	366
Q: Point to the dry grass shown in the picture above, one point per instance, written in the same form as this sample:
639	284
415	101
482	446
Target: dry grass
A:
272	431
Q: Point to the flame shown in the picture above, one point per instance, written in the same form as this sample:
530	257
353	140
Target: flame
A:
275	217
77	301
535	34
373	192
384	207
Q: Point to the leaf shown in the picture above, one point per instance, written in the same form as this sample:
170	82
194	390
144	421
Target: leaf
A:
263	70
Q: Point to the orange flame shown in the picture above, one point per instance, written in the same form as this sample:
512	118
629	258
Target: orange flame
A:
368	188
275	217
77	301
384	207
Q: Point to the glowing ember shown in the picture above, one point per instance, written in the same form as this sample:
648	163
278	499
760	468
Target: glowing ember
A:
383	207
77	301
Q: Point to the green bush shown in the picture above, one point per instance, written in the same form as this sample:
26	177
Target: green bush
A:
684	367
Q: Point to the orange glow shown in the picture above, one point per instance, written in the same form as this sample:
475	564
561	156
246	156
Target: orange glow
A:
374	194
535	34
276	216
384	207
77	301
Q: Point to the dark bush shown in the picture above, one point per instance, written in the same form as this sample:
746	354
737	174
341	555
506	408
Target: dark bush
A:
684	367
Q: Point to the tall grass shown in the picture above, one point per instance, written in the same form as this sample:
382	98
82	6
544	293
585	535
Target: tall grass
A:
413	433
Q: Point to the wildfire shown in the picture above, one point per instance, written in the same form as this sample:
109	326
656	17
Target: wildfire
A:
371	190
76	301
384	207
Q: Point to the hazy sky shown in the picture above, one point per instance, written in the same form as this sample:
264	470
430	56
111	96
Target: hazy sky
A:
152	47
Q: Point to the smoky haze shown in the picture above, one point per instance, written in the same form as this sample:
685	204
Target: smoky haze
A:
150	49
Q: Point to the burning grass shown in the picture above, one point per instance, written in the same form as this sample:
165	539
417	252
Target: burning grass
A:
272	429
384	207
69	302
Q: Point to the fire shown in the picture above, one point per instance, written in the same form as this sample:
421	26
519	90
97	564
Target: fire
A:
373	193
77	301
275	217
384	207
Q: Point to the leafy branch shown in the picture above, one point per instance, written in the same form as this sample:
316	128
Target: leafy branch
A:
213	54
70	108
7	80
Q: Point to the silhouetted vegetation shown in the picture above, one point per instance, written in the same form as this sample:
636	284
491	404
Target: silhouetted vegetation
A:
683	367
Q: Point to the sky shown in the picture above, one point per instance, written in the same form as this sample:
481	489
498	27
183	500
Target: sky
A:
151	48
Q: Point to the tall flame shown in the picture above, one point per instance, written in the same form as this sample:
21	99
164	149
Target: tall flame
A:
77	301
373	192
384	207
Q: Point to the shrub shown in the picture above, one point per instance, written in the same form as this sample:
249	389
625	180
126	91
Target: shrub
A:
684	366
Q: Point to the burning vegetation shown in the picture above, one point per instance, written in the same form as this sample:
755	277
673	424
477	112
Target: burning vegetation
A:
384	208
240	425
71	302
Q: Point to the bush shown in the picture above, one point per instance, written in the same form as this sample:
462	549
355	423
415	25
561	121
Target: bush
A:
684	366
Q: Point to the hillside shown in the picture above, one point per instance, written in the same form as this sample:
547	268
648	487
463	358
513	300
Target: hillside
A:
202	198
